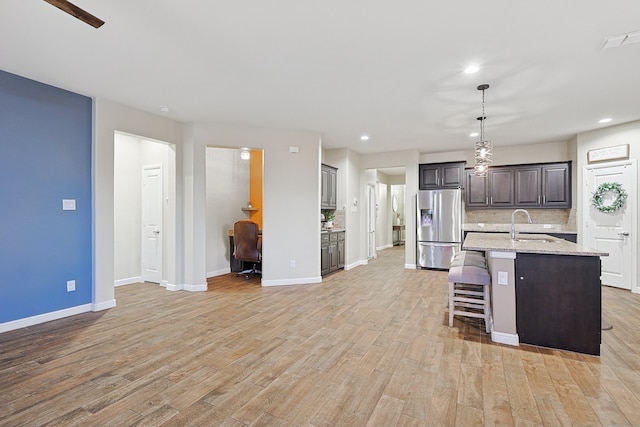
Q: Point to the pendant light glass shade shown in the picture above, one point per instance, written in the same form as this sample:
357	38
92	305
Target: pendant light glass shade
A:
483	152
481	169
483	149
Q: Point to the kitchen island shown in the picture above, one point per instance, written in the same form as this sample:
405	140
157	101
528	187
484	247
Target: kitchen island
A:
545	291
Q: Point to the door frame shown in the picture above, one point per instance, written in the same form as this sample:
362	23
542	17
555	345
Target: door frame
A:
632	204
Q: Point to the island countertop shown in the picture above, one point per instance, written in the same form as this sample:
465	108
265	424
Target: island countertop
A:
521	228
532	243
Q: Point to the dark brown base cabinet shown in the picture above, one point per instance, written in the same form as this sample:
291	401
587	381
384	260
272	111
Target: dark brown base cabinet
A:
558	301
331	251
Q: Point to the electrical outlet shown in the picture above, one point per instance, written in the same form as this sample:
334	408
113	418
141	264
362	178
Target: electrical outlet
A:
71	285
503	278
292	263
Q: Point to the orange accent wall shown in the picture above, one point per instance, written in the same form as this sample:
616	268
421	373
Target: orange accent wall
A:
255	186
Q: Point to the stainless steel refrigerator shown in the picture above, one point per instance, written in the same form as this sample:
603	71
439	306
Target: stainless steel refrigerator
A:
439	227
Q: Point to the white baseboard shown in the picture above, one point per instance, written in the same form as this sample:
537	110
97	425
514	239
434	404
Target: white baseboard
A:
410	266
387	246
173	288
290	282
103	305
127	281
503	338
220	272
356	264
46	317
195	288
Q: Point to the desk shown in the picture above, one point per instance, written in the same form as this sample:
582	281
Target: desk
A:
399	240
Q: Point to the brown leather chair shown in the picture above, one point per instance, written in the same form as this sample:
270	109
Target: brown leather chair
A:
247	246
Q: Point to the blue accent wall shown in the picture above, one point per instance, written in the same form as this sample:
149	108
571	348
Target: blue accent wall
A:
45	157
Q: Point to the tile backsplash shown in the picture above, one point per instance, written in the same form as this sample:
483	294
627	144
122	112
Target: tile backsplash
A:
339	220
539	216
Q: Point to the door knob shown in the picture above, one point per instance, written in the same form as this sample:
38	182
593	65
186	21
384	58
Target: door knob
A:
623	234
156	231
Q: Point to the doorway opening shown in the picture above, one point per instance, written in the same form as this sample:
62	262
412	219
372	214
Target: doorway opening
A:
144	210
386	215
234	191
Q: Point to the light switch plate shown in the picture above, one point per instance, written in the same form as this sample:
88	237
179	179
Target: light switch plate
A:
503	278
68	204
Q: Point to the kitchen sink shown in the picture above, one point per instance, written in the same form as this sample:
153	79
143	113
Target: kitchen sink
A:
533	240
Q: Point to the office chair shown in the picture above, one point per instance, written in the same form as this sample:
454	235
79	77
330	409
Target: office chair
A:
247	246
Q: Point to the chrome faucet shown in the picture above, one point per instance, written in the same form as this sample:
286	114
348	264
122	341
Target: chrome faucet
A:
513	225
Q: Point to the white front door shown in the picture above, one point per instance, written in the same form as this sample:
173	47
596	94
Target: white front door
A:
371	221
152	223
613	232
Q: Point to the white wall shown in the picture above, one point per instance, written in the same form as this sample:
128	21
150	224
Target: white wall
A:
628	133
291	203
383	219
127	209
227	192
110	117
398	190
508	154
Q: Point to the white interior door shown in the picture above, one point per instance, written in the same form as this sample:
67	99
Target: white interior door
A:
613	232
371	221
152	223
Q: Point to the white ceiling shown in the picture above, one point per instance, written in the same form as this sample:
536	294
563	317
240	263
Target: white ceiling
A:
342	68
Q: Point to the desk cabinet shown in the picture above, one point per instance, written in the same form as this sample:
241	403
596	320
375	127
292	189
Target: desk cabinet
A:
332	251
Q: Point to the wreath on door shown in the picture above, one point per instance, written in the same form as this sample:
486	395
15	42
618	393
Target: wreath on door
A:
609	187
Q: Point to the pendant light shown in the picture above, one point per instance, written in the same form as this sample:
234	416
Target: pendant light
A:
483	152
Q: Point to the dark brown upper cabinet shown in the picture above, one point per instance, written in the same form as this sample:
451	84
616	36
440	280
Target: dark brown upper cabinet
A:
476	189
545	185
441	175
501	188
329	179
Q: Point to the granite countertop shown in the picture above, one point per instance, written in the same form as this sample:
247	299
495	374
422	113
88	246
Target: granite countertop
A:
502	242
331	230
521	228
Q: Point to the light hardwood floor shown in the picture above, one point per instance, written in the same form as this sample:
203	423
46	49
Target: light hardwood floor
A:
369	346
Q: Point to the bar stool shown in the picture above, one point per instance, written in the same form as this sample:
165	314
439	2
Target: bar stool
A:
469	283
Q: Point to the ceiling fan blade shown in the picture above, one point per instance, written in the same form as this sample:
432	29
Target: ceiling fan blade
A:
74	10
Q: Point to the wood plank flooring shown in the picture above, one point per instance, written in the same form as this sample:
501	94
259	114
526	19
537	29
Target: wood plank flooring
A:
369	346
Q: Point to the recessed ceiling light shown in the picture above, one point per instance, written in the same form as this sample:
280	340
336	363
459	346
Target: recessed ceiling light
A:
473	134
364	137
605	120
471	69
164	109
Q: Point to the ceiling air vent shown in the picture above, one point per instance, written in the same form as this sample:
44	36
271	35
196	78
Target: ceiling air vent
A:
621	40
